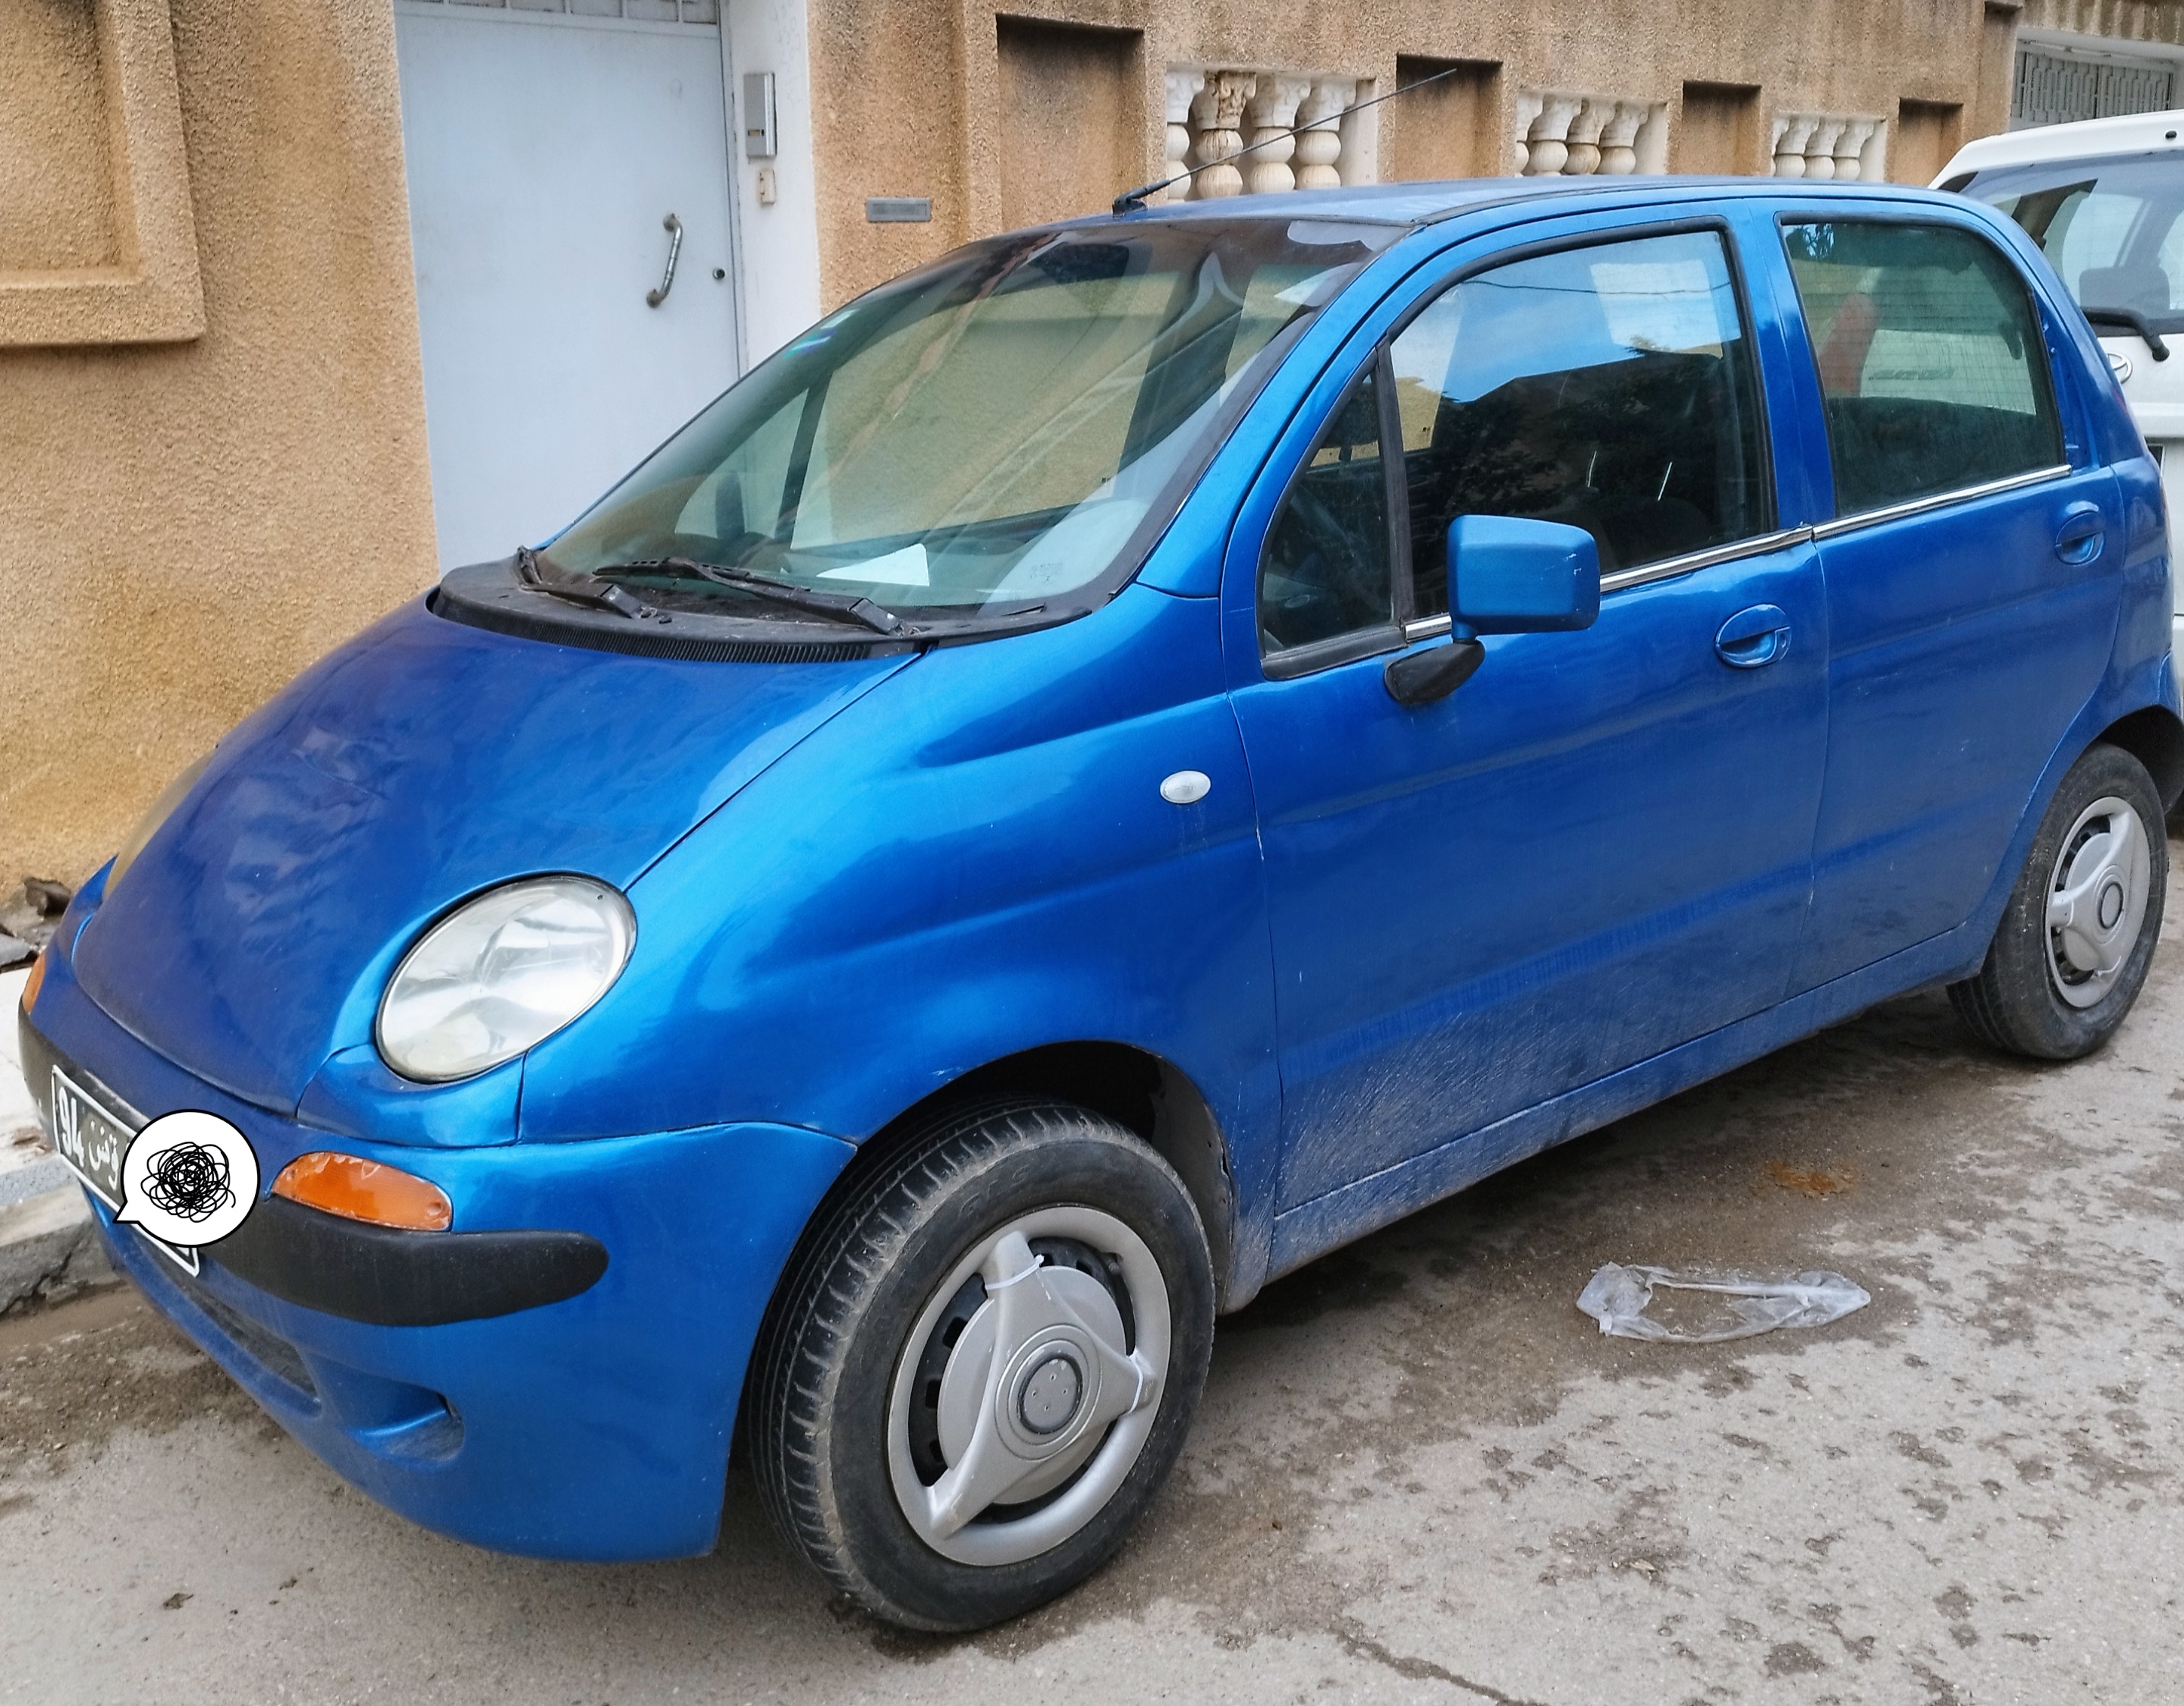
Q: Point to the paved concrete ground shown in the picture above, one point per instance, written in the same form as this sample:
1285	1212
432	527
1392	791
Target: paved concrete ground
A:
1420	1475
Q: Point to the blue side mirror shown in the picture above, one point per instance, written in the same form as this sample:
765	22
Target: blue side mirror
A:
1509	576
1506	576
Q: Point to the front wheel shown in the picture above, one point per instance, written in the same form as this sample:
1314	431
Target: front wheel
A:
983	1364
2075	942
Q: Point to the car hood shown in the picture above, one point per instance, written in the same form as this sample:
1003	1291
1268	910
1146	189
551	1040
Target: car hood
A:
418	764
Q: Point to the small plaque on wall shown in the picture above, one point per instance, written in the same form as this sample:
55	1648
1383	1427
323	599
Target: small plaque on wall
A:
899	209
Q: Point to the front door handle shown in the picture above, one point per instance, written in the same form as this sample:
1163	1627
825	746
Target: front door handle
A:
2079	540
673	227
1754	638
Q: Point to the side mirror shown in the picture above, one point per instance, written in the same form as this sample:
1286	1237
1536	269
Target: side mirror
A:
1509	576
1506	576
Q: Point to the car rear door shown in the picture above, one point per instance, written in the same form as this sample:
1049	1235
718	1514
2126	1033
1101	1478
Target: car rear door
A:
1970	564
1598	847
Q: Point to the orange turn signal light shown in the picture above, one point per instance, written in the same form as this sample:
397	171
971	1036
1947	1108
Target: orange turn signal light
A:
359	1190
30	986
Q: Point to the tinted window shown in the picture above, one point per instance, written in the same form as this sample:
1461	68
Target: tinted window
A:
1327	570
2110	228
1929	357
1610	387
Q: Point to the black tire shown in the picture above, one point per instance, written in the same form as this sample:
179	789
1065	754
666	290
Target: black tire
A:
2014	1002
816	1408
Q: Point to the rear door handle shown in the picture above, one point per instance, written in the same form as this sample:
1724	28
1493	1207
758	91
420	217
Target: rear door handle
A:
2080	538
1754	637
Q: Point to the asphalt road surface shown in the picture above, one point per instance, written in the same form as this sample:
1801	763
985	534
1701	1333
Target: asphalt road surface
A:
1420	1474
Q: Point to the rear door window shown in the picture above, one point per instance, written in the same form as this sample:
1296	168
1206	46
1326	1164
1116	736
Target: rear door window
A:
1931	364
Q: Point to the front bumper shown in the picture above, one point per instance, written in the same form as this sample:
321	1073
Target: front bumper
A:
595	1426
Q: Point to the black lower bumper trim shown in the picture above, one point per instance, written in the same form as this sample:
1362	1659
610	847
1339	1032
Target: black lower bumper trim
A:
389	1277
380	1275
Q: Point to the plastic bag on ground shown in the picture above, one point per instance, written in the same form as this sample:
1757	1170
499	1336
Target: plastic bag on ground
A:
1616	1297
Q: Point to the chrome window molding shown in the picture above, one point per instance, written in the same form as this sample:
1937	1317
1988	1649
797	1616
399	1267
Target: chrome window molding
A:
1920	506
1758	545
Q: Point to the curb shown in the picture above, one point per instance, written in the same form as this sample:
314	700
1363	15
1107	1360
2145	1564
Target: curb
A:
50	1249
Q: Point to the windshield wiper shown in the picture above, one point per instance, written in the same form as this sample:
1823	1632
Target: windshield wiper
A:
606	597
2132	321
839	606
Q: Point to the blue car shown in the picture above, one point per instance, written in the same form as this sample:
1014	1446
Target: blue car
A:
1118	762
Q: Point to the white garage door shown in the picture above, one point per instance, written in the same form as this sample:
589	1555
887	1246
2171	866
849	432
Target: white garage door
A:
545	154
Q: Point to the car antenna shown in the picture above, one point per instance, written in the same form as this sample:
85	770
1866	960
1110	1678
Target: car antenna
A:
1134	200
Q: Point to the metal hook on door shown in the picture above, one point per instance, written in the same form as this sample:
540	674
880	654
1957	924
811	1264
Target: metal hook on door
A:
673	227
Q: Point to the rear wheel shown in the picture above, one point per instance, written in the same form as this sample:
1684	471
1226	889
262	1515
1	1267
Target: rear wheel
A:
983	1364
2075	942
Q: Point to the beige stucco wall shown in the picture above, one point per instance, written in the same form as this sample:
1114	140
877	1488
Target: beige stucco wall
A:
184	525
2161	21
912	96
212	441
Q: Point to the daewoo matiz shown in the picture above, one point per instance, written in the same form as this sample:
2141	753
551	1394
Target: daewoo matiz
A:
1119	762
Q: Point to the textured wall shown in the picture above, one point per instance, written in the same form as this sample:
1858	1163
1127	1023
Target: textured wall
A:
910	90
1068	101
2128	20
183	526
52	114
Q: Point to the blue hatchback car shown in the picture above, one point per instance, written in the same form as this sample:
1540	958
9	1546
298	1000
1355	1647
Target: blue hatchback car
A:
1117	763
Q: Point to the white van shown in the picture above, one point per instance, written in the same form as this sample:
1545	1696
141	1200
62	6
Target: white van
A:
2105	199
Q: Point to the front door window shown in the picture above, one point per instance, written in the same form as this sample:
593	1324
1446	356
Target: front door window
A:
1610	388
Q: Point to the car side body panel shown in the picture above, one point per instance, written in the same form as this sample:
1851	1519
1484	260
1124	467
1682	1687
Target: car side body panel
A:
983	864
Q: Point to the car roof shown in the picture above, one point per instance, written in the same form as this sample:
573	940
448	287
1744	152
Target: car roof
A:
1426	204
2131	134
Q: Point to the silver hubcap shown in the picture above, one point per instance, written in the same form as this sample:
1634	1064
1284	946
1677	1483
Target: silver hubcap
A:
2097	901
1042	1403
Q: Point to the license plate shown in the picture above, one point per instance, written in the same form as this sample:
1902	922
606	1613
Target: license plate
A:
93	1138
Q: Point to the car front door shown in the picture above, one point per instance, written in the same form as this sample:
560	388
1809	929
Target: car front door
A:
1970	572
1598	846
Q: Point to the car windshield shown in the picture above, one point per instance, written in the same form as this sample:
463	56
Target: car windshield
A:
1008	425
2108	227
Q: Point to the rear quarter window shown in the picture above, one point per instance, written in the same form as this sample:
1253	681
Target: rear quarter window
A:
1931	364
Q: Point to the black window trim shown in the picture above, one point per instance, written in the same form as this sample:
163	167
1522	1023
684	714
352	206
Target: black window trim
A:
1409	629
1836	526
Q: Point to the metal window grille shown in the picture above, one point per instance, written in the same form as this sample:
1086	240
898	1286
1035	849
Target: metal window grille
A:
2054	87
651	11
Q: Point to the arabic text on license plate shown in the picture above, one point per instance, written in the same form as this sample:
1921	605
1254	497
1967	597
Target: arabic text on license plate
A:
93	1141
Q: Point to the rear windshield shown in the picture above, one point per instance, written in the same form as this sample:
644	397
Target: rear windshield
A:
1002	429
2109	227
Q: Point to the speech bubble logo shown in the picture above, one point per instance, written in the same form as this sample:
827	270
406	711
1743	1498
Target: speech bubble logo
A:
188	1179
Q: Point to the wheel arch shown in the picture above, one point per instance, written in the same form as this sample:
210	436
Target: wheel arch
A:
2155	738
1135	1088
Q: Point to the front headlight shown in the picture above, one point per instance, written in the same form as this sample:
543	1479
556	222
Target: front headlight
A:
502	972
